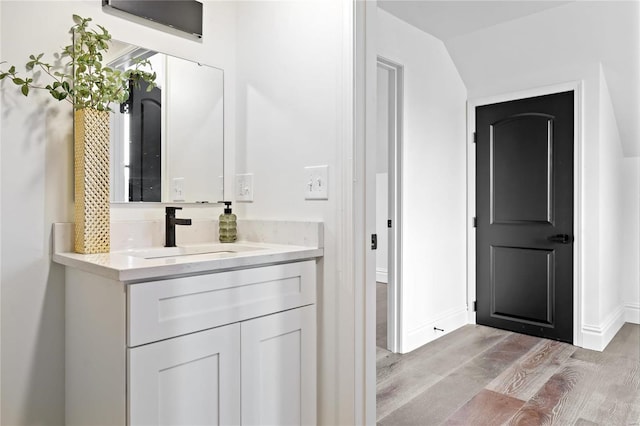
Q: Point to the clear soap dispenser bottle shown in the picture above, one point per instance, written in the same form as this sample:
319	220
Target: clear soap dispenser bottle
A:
228	224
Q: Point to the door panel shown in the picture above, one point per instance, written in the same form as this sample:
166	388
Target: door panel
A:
279	369
525	198
186	380
533	299
521	157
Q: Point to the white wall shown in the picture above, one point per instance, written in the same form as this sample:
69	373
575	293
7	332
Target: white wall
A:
290	115
534	52
572	35
630	237
382	230
36	190
382	175
433	175
612	227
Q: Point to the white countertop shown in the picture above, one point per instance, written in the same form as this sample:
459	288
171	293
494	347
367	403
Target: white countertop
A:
125	267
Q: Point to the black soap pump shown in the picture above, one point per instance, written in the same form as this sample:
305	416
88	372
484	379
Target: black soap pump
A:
228	224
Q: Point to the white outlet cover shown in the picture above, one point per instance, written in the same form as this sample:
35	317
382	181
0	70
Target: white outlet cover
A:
244	187
316	183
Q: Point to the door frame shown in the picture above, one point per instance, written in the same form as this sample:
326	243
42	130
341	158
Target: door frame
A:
359	263
394	284
577	88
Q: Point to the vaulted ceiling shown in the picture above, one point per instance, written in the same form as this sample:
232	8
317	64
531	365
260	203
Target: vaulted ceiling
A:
449	19
489	41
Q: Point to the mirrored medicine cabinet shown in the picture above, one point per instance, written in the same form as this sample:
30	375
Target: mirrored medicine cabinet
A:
167	144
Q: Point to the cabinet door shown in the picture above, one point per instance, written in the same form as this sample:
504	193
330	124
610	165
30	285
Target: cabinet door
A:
188	380
279	368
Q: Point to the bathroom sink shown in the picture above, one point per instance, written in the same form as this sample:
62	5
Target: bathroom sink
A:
160	252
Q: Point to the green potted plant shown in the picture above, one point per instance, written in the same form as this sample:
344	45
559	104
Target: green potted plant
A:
84	81
91	87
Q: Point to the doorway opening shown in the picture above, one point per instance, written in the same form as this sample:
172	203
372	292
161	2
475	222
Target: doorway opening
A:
389	204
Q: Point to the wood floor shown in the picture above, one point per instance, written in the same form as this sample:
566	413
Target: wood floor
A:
478	375
381	315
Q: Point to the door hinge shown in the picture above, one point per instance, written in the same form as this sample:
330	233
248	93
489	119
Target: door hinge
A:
374	241
389	223
475	137
475	306
475	222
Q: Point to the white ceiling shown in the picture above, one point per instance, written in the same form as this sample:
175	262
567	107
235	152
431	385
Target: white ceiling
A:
449	19
490	42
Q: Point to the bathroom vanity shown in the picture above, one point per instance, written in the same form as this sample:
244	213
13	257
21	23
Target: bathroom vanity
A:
200	334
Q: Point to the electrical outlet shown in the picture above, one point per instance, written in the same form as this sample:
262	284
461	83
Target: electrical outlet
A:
178	189
244	187
316	183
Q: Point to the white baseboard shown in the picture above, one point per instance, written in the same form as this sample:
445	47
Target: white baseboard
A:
382	275
447	321
632	313
598	337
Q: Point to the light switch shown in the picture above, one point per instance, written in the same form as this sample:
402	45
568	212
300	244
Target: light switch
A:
244	187
178	189
316	183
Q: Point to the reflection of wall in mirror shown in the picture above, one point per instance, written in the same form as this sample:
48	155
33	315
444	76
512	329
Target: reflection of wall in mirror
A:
195	133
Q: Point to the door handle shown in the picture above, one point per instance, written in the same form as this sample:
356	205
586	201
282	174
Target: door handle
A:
561	238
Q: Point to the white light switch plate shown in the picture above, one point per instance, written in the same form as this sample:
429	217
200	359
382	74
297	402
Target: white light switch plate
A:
244	187
178	189
316	183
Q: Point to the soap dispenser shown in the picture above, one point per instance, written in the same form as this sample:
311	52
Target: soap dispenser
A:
228	224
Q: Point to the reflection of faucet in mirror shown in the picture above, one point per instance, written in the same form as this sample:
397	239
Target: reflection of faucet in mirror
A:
167	145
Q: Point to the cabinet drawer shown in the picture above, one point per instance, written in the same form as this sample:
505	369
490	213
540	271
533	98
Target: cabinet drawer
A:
161	309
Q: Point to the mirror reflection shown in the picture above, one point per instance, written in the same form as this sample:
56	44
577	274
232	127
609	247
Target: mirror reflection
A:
167	143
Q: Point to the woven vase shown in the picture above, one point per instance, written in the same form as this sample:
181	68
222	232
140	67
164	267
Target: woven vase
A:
91	167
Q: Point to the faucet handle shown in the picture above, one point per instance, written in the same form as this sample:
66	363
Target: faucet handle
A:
169	210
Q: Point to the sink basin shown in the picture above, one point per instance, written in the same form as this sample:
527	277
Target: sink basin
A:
160	252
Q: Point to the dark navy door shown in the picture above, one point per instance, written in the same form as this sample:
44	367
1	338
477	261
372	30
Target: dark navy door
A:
524	211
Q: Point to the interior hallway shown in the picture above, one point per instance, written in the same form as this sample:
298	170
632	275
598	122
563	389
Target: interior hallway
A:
480	375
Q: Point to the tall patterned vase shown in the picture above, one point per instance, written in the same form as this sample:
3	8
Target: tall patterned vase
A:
91	167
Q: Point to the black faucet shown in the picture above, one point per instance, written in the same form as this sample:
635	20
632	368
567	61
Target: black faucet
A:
170	225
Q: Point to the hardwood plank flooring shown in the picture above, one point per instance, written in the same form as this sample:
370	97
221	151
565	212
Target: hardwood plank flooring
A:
523	379
483	376
381	315
486	408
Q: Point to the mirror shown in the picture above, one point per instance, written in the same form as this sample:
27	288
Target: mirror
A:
167	144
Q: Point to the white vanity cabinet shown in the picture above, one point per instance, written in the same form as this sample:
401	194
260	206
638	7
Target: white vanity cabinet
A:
229	347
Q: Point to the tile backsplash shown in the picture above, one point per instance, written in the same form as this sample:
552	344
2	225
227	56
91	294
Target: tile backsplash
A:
150	233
